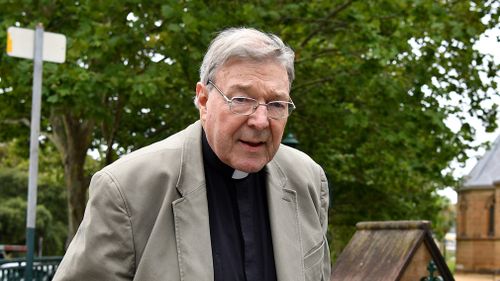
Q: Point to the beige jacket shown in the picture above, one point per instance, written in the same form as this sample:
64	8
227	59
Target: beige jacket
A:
147	217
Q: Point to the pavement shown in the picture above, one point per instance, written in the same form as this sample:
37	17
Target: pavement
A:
475	277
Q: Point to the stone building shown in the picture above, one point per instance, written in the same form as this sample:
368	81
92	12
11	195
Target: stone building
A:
478	216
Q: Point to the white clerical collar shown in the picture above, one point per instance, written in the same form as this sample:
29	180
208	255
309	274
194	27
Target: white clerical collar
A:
238	175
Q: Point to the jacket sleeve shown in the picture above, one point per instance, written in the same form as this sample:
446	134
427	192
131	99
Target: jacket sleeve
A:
324	201
103	247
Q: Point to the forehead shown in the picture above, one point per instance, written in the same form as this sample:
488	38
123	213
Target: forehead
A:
240	74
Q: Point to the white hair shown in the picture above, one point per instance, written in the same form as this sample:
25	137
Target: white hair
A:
246	43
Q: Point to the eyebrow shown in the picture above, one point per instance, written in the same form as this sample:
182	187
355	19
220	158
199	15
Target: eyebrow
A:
240	87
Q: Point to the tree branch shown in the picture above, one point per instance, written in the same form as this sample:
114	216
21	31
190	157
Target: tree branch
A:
312	83
330	15
318	54
22	121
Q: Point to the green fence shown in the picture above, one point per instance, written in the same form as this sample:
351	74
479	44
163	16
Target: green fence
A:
44	268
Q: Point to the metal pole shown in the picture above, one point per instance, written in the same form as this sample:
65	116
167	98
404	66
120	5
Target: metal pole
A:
35	132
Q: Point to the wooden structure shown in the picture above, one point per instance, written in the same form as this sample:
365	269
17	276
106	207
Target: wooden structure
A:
478	216
390	251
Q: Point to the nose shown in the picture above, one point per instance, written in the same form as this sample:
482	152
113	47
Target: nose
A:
259	118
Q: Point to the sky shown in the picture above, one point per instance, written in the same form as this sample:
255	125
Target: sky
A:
488	44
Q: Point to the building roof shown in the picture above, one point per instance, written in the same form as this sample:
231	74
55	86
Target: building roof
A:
487	169
384	250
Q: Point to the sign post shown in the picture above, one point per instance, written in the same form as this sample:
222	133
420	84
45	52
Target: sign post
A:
26	44
35	133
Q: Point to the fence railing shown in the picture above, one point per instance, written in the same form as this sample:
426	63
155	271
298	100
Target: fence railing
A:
432	269
44	268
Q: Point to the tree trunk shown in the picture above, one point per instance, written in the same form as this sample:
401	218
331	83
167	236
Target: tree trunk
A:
76	189
72	136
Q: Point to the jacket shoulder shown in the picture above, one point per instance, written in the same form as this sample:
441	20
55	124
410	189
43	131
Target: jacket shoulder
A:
166	153
294	160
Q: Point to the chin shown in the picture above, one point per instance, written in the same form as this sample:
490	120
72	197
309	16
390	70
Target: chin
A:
249	168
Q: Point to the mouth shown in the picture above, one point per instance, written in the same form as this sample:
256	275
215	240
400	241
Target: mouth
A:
252	143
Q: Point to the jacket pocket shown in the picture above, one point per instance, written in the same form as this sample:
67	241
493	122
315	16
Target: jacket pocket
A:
313	262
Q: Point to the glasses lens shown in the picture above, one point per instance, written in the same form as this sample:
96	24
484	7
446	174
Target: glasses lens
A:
242	105
279	109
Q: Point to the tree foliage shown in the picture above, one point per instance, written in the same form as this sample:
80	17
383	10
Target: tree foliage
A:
385	143
375	82
51	217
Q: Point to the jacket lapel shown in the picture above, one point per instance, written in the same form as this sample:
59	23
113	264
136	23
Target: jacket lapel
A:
283	215
192	234
192	228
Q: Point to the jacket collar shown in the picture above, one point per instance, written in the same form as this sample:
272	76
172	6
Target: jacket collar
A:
192	173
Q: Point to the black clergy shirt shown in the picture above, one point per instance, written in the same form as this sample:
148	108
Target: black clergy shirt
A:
242	247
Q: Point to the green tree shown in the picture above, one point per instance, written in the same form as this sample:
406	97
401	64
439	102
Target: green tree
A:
110	93
51	221
378	101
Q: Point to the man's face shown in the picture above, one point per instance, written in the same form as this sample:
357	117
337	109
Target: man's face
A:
245	143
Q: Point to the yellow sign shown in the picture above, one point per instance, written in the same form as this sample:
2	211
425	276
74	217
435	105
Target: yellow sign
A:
9	43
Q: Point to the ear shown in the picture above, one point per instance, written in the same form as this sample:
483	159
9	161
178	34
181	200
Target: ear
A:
202	96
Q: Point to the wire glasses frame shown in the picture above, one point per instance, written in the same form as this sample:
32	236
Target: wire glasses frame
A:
247	106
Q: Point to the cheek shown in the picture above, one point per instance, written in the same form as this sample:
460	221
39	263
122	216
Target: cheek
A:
277	131
225	131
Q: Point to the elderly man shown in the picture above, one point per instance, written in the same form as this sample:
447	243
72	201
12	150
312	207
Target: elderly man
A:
220	200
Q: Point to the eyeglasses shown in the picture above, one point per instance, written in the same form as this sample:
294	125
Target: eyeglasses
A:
247	106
